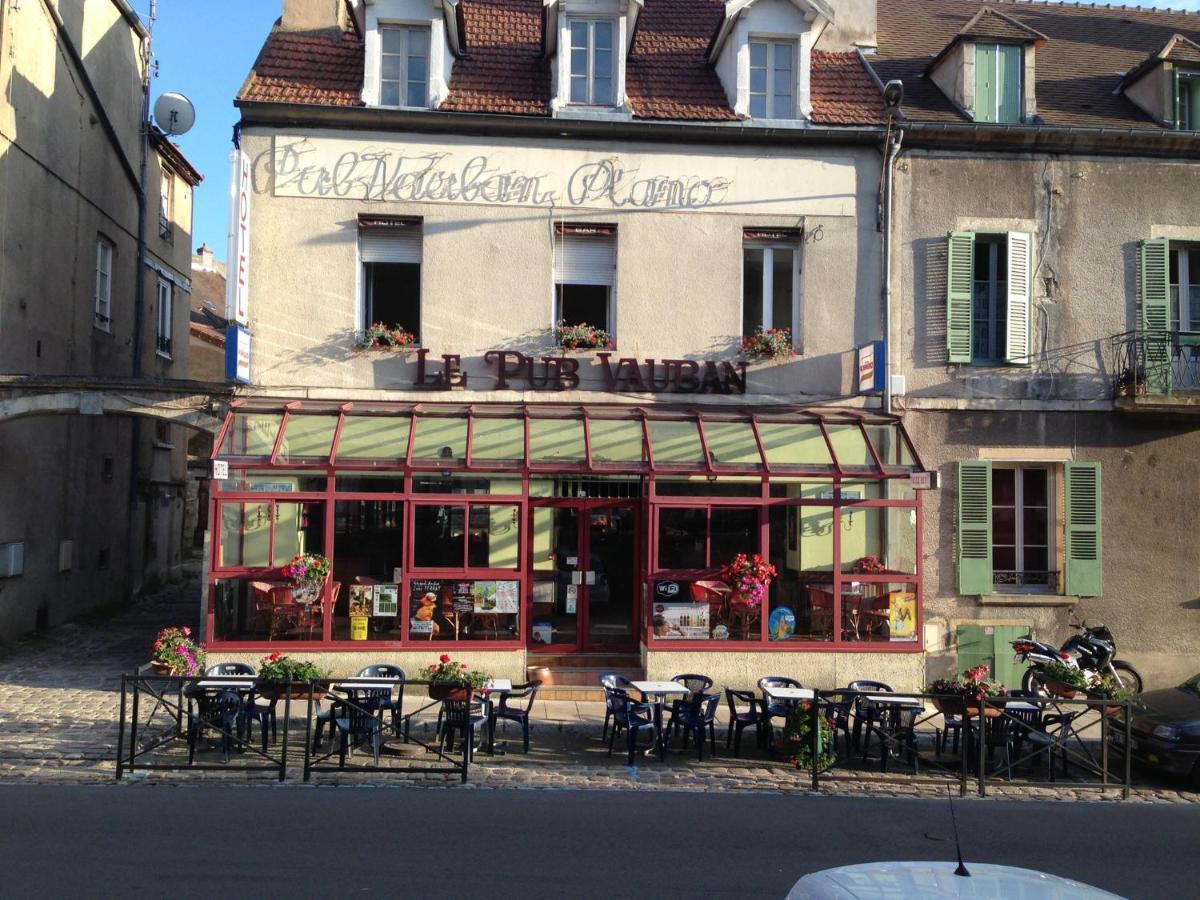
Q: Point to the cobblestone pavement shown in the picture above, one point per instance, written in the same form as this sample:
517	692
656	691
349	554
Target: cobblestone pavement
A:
60	698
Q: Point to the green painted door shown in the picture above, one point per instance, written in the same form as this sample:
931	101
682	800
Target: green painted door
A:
991	644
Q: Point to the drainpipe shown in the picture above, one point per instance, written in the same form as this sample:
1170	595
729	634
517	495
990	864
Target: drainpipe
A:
891	150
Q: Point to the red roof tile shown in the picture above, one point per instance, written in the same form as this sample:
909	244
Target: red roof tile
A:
320	68
668	75
843	92
503	71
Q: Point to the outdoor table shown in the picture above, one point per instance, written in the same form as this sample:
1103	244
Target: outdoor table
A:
655	693
895	705
500	687
789	693
225	684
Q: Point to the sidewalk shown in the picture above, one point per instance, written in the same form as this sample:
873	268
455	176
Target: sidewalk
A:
59	708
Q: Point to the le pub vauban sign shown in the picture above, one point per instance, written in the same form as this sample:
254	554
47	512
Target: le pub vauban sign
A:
515	370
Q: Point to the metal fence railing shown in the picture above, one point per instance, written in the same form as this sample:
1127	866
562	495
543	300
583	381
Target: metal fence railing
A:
1155	363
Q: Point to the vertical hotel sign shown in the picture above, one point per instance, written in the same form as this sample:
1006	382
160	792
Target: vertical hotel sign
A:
237	299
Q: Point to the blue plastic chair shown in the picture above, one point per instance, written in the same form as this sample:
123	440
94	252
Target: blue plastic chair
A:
777	710
610	681
465	717
263	713
519	714
740	721
695	717
632	717
386	700
356	723
220	710
865	712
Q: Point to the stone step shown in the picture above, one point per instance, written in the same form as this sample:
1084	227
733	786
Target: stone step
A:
578	677
571	692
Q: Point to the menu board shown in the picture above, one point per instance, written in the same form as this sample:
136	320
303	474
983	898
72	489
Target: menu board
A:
681	621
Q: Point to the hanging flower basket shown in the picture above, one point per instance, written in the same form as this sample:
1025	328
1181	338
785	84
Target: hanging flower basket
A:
386	337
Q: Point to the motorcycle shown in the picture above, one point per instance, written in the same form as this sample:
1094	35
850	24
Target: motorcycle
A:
1093	651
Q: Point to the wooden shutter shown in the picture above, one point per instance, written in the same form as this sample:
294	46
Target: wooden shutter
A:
975	527
960	282
1083	557
1020	272
1156	313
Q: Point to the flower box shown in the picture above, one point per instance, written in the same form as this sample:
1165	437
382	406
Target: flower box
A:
450	692
1059	688
280	690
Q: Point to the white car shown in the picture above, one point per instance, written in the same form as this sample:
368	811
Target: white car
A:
896	880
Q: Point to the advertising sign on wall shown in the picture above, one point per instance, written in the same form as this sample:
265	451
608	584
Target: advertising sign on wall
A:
237	354
902	615
237	291
872	365
681	621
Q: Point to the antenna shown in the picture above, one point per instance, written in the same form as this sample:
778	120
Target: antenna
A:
174	113
962	869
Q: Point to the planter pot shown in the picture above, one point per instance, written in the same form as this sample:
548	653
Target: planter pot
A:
989	712
449	692
292	692
1059	689
948	706
160	668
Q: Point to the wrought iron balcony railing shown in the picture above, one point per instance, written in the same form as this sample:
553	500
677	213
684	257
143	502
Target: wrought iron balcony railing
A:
1047	581
1155	363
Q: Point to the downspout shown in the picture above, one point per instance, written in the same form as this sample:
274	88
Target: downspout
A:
893	141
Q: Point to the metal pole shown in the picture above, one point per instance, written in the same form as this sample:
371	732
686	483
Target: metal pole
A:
815	724
1128	753
121	732
133	725
287	718
966	747
308	736
1104	745
982	745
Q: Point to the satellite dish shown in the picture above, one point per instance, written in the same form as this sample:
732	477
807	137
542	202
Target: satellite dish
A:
174	113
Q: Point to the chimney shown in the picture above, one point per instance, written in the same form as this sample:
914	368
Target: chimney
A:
314	15
204	258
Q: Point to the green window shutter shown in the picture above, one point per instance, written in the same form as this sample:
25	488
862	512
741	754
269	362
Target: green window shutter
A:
1156	313
1008	82
1084	556
985	82
960	284
974	527
1020	273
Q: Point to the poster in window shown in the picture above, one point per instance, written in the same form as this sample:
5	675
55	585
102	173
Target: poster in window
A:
423	602
386	599
497	597
361	596
544	592
681	621
464	596
902	615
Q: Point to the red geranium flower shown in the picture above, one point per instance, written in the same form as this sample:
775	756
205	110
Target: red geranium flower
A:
445	657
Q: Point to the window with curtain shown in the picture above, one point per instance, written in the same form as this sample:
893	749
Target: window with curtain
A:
404	66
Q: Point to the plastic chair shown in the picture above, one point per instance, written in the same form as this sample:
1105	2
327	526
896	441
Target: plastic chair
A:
696	685
220	710
631	716
464	716
778	710
610	681
385	695
740	721
355	722
865	712
695	717
263	713
231	668
518	714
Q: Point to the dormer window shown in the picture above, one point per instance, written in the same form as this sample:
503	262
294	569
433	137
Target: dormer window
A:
404	66
998	83
593	70
772	79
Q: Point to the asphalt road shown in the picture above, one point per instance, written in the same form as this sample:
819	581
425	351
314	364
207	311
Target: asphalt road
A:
246	841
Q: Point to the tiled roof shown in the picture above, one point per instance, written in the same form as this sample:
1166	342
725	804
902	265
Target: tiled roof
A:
503	71
323	68
1087	51
1181	50
843	92
668	76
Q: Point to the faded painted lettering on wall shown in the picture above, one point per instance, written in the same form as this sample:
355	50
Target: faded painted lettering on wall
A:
458	171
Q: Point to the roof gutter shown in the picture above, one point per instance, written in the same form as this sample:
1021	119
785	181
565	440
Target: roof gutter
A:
1053	139
492	125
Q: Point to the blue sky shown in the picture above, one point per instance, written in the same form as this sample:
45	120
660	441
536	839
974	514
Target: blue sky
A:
205	50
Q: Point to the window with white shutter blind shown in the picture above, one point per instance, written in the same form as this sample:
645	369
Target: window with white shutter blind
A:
585	265
390	251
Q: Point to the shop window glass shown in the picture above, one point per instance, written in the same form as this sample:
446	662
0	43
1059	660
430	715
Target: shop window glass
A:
701	486
442	609
794	444
556	440
733	531
682	538
299	528
370	483
810	489
438	534
374	438
458	483
492	540
495	440
879	612
732	444
368	545
272	482
801	603
245	535
307	437
440	438
617	440
675	442
251	434
494	537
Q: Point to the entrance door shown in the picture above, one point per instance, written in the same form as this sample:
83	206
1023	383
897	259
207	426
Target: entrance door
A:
584	574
